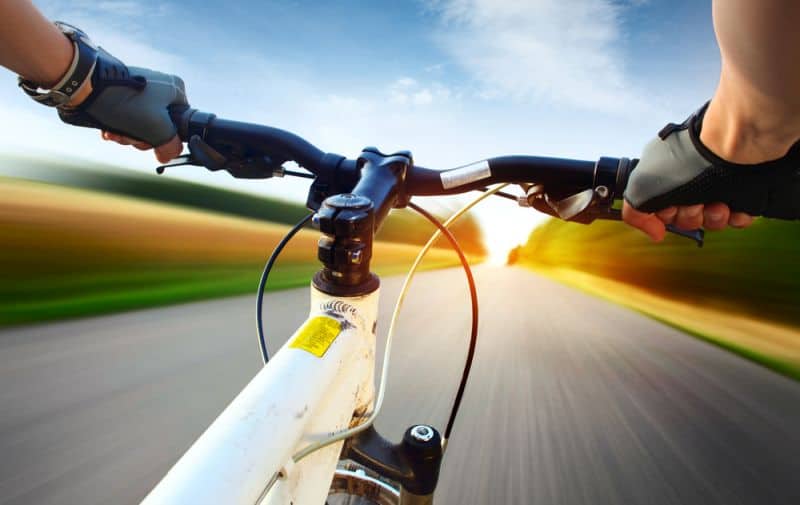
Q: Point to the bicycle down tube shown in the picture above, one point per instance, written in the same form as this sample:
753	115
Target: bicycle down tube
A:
312	386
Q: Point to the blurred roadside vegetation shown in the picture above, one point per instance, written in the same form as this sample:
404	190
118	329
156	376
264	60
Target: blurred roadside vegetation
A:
752	274
403	226
75	243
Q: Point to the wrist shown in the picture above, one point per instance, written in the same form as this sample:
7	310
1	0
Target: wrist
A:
74	85
56	68
743	126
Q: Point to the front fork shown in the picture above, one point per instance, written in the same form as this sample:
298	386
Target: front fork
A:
414	463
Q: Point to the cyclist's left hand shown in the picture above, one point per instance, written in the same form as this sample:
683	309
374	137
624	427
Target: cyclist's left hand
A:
130	105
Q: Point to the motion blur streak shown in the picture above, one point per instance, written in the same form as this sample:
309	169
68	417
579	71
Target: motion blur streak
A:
572	400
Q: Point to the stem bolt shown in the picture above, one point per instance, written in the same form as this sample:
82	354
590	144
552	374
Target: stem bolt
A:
422	433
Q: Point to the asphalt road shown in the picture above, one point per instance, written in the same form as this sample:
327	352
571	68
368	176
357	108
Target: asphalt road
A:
572	400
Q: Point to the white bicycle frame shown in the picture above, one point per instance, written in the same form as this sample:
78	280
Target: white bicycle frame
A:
319	383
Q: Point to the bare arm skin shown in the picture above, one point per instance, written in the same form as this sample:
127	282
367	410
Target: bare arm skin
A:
754	115
35	48
30	45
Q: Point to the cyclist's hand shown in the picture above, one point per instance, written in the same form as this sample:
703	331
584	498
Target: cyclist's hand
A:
164	153
714	216
131	106
680	181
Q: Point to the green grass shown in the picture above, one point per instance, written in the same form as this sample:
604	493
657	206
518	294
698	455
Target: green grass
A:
71	252
94	292
54	297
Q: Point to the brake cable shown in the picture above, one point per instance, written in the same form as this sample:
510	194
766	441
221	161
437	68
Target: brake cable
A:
502	194
344	434
262	342
473	336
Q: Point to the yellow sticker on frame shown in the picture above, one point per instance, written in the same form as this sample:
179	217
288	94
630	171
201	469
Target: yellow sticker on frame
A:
317	335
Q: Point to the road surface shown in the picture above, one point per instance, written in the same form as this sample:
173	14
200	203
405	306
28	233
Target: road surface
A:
572	400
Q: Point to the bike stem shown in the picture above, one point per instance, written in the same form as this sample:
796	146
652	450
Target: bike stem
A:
349	222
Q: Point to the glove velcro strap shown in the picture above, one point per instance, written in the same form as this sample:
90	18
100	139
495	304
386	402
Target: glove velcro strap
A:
109	71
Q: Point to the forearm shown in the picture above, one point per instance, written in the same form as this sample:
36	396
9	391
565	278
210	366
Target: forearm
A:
755	113
32	46
760	46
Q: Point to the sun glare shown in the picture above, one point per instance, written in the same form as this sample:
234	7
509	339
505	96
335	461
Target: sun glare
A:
498	247
504	227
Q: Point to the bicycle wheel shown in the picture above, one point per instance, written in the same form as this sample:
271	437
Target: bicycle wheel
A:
355	485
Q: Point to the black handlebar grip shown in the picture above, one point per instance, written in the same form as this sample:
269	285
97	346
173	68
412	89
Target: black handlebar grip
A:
180	115
624	174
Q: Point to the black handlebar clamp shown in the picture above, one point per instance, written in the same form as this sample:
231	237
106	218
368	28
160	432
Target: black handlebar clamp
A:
347	222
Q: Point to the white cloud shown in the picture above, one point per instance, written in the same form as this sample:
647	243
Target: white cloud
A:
409	91
562	51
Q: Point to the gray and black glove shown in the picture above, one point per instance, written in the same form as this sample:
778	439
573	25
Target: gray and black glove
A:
676	169
129	101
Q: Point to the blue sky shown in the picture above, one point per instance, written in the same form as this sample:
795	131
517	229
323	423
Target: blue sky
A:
451	80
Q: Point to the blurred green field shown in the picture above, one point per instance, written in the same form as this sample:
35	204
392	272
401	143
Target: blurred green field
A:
403	226
754	271
753	274
70	252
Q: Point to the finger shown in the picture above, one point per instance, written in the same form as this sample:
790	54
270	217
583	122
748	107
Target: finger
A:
113	137
170	150
667	216
715	216
119	139
130	140
142	146
689	217
648	223
740	220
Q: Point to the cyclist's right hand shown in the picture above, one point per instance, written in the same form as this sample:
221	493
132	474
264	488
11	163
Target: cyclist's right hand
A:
680	181
130	105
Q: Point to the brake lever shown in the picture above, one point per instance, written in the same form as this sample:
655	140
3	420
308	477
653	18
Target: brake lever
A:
202	154
182	160
206	155
698	235
588	205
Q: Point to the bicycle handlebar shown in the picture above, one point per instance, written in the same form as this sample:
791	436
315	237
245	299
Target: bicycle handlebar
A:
561	177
